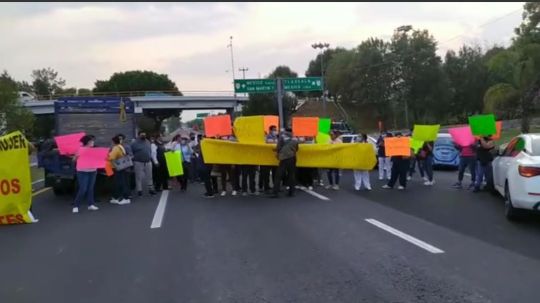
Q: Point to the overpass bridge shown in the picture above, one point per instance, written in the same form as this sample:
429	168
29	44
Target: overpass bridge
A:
155	102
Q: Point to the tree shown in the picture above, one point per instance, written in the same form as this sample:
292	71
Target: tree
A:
46	82
420	81
84	92
468	79
13	116
137	80
70	91
529	31
266	104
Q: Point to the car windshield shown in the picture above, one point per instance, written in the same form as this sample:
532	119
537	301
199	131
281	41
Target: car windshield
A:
535	147
444	141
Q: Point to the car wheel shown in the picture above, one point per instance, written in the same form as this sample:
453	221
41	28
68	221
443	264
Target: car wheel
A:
510	212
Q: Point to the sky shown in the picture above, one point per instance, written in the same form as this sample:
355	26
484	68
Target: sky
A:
86	42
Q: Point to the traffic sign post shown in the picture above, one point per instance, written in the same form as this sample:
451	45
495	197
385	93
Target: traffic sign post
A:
302	84
255	86
278	86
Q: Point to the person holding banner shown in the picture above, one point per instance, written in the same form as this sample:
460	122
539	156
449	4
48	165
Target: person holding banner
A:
86	180
332	173
121	182
268	172
361	177
426	162
142	163
286	150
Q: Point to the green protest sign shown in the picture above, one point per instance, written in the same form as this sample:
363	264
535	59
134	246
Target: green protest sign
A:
324	125
483	125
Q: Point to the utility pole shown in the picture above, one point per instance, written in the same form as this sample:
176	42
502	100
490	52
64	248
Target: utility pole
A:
322	46
232	60
243	70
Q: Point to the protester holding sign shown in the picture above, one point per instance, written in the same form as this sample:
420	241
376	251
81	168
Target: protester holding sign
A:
467	159
426	162
384	161
86	179
268	172
400	162
121	183
483	165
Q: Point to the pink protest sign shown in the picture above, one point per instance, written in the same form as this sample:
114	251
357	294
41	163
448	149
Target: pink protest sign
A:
69	144
462	135
92	157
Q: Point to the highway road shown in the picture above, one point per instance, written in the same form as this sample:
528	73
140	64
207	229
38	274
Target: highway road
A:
425	244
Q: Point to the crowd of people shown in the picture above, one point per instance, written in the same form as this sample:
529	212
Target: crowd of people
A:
145	157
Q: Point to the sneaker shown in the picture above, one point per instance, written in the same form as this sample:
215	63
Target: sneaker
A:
75	210
471	186
381	178
139	193
457	185
114	201
244	194
335	187
425	179
297	186
256	193
223	193
328	186
310	187
357	188
234	193
208	196
386	186
409	178
368	188
152	193
321	183
124	202
428	183
92	207
401	187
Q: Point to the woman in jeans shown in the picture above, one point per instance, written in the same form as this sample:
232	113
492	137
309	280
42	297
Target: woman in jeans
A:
86	180
121	181
426	162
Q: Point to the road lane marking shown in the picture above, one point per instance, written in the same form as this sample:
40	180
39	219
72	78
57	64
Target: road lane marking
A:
40	191
432	249
38	181
315	194
160	210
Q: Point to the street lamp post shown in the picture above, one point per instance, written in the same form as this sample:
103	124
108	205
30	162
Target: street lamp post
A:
232	59
322	46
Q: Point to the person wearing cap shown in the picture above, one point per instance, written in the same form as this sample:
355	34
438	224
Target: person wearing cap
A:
286	150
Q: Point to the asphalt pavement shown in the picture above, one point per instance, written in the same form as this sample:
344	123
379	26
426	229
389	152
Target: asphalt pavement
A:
425	244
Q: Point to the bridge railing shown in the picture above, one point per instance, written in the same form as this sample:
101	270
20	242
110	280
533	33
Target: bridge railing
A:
137	94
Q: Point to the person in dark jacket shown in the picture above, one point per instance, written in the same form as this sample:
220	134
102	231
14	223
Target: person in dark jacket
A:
286	150
483	163
161	173
400	167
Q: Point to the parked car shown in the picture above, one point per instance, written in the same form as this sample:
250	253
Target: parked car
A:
26	96
445	154
516	174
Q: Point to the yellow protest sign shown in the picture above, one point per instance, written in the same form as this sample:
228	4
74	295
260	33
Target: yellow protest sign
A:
249	129
425	133
344	156
174	163
416	144
15	182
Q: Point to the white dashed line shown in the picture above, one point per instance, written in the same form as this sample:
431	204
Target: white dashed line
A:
160	210
432	249
315	194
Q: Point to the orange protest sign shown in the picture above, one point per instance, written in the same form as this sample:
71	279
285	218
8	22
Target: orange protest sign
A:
217	126
108	169
305	126
497	136
269	121
397	146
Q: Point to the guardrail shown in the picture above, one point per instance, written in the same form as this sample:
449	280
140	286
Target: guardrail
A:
136	94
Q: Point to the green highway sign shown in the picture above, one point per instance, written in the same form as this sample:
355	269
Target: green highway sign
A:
255	86
302	84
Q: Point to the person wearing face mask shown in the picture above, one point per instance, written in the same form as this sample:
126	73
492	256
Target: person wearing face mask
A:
142	156
268	172
86	180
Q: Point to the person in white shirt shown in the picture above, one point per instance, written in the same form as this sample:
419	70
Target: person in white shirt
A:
361	177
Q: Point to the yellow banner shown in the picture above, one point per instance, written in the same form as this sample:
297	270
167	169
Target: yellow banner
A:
249	129
359	156
15	182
